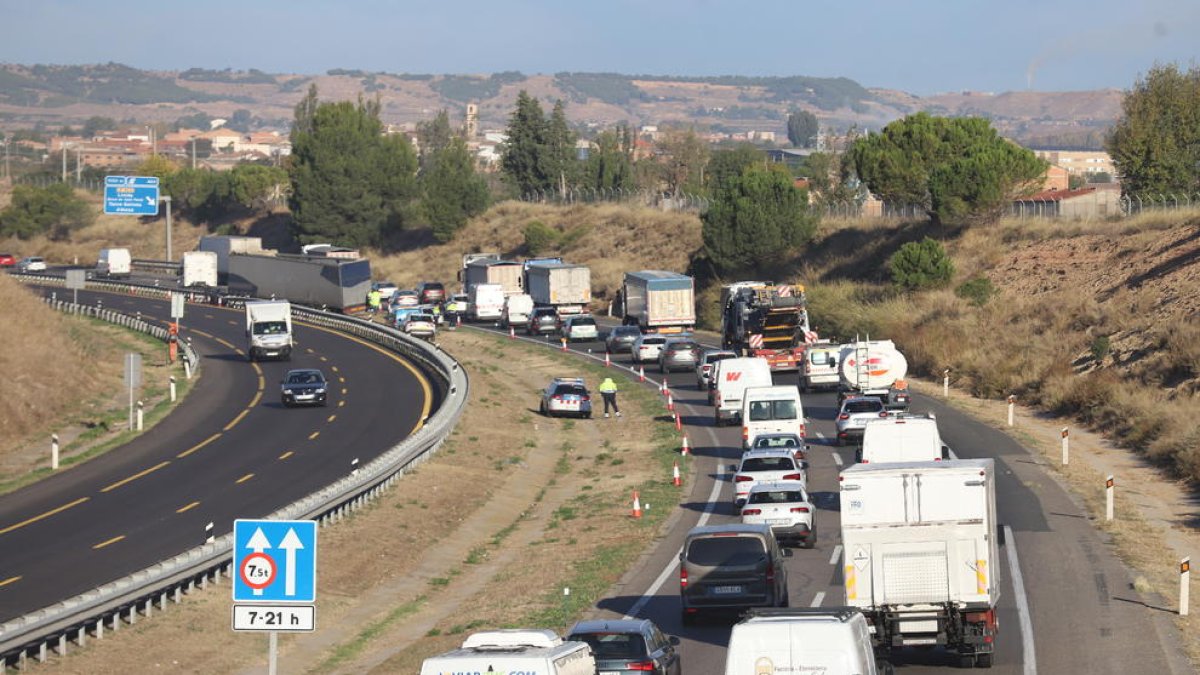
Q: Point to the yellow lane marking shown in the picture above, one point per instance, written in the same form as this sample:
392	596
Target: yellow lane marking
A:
226	343
110	541
314	435
47	514
197	446
324	358
334	368
232	323
239	352
310	351
236	420
197	331
331	418
135	476
254	401
187	508
9	581
209	316
286	455
341	403
341	380
245	478
344	390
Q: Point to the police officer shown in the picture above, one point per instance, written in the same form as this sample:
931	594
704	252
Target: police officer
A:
608	390
374	297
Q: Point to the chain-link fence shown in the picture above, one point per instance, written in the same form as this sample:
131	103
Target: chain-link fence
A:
1097	204
664	201
91	184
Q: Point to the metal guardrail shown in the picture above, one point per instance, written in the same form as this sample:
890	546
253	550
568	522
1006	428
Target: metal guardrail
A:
121	602
157	266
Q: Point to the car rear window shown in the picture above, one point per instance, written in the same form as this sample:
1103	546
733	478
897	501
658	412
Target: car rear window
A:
583	322
714	551
767	464
862	406
776	442
762	411
654	340
626	330
684	346
614	645
434	287
776	496
570	389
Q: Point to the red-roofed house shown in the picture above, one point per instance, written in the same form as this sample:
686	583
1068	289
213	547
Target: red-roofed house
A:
1083	204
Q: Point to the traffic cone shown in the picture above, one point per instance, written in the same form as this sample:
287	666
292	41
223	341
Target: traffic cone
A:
678	422
662	387
607	360
637	505
564	344
685	450
675	479
458	320
512	333
670	402
641	374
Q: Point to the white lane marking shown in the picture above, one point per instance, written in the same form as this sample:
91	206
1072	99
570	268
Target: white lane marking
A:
820	435
817	599
837	459
837	553
670	567
1028	657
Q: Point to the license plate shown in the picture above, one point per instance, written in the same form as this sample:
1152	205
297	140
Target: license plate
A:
778	521
726	590
609	672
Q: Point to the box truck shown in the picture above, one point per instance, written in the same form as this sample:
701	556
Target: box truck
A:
268	329
114	263
199	269
565	287
829	641
508	273
920	554
658	301
527	652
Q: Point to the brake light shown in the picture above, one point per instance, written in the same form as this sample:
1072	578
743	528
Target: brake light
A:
585	398
799	509
743	479
751	512
745	433
883	414
843	416
803	431
640	665
792	476
683	577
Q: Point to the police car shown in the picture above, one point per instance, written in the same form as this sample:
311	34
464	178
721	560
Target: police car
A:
566	396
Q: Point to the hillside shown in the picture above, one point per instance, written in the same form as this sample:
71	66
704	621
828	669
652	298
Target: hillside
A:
55	95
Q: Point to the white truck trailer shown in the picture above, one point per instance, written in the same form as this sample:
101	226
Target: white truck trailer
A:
564	286
658	301
268	329
199	269
510	274
921	555
224	245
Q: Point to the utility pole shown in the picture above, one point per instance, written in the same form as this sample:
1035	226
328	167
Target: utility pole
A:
7	162
167	200
64	168
78	165
193	153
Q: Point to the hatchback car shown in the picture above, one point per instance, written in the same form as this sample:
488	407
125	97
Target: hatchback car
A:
678	354
765	466
8	260
405	298
704	365
431	292
621	339
303	387
543	321
32	264
731	568
628	646
783	505
854	415
578	328
647	348
420	324
790	442
566	396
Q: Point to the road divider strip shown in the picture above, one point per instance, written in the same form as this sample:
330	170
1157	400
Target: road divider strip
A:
108	542
140	474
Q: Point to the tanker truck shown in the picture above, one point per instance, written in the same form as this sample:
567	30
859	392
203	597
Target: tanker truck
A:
873	368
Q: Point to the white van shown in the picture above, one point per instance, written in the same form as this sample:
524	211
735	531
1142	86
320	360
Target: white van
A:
114	263
486	301
771	410
820	368
732	377
830	641
517	309
535	652
903	438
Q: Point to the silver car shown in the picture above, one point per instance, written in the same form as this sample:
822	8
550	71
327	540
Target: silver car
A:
621	338
784	505
566	396
678	354
766	466
854	415
32	264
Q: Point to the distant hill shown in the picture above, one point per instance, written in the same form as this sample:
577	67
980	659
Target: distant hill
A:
57	95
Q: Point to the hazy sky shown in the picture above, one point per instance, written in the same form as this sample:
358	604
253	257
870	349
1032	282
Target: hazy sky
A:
921	46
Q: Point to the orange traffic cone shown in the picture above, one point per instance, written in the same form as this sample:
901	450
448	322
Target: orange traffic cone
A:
564	344
675	479
678	423
607	360
641	374
637	505
670	402
686	449
512	333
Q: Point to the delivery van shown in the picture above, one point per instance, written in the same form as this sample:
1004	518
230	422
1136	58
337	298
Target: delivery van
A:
830	641
531	652
903	438
114	263
771	410
820	367
731	378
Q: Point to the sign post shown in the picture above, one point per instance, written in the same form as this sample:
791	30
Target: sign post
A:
75	281
133	380
177	305
131	195
275	578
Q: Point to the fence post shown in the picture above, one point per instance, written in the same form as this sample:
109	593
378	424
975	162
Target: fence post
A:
1012	400
1108	498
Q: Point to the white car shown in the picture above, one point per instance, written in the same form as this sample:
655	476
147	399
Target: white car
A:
32	264
766	466
647	348
579	327
386	290
784	505
420	325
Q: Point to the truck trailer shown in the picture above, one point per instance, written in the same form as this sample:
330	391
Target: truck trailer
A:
658	302
760	318
199	269
920	554
565	287
508	273
224	245
317	281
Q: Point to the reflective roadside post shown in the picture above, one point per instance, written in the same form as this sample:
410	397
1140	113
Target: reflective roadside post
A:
1108	498
1185	575
1066	446
1012	401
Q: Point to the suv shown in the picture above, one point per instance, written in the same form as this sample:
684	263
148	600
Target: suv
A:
678	353
430	292
783	505
579	327
8	260
386	290
566	396
543	321
854	415
629	646
303	387
731	568
32	264
647	347
765	466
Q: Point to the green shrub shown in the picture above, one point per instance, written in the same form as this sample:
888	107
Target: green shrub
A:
923	264
1100	347
540	237
977	291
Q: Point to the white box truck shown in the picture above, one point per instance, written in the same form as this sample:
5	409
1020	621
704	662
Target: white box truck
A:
486	302
565	287
920	554
268	329
517	309
515	651
114	263
829	641
199	269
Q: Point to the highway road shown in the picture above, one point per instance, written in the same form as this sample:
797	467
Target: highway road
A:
230	451
1068	605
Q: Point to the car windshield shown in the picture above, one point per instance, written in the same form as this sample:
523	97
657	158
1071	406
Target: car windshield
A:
776	442
713	551
626	331
570	390
421	317
761	411
767	464
776	496
870	406
270	328
820	357
305	378
614	645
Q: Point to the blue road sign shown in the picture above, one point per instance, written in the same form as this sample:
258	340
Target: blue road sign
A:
275	561
131	195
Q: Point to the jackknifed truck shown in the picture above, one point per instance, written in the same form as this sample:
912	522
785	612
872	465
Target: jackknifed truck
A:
921	555
767	320
658	301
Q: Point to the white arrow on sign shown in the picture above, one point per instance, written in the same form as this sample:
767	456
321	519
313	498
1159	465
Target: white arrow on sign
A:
290	544
150	200
259	543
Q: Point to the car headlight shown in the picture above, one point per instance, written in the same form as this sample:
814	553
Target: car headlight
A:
321	390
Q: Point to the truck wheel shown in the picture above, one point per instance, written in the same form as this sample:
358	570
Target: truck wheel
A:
966	660
983	660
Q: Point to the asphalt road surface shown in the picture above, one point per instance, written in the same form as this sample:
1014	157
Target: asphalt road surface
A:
231	450
1075	610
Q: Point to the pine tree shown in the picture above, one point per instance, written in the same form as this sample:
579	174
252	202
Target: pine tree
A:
451	191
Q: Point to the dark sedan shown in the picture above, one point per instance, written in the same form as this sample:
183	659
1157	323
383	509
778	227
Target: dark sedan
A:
621	339
303	387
